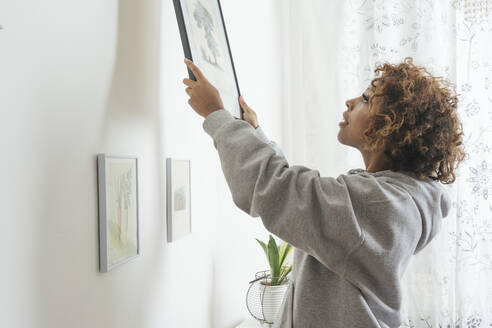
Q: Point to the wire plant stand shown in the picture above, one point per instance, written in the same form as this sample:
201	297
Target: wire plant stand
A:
262	300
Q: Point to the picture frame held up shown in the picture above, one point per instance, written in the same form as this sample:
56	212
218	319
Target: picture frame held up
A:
119	235
205	42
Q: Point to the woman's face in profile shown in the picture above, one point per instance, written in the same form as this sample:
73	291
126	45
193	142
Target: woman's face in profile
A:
355	120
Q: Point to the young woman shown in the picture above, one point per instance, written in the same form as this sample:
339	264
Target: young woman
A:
354	234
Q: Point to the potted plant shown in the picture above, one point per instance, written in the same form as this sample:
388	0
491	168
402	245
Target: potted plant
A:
273	286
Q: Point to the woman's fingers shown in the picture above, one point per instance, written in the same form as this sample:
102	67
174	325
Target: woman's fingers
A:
249	114
243	104
188	91
189	82
196	71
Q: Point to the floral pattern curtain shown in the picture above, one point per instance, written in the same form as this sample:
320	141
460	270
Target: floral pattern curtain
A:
449	284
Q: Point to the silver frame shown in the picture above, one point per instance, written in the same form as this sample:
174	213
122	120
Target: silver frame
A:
169	214
103	237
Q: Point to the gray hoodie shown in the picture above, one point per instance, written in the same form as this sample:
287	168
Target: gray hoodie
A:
353	235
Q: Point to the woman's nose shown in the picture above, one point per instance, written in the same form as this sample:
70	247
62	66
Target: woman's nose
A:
347	102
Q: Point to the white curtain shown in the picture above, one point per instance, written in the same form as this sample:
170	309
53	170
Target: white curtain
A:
331	49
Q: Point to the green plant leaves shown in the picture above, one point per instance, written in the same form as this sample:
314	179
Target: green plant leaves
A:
263	245
285	249
276	257
284	273
273	259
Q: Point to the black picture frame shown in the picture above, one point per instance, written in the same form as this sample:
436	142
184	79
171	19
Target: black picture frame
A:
206	13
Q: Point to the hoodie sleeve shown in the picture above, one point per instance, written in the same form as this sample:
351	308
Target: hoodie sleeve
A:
312	213
261	134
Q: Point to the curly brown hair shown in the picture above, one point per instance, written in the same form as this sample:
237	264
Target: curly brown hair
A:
413	117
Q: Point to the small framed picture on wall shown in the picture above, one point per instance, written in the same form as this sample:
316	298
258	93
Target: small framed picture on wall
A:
119	240
205	42
178	190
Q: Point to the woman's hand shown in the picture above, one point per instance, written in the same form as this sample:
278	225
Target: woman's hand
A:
204	97
249	115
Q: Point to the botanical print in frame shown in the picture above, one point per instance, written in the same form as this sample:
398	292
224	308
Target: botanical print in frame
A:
205	41
119	239
178	189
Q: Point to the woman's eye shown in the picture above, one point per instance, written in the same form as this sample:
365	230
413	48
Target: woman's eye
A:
365	98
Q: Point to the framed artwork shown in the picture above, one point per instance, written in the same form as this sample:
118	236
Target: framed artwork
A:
178	191
205	42
119	239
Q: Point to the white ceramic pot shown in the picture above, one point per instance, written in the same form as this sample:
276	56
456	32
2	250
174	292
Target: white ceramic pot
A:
271	297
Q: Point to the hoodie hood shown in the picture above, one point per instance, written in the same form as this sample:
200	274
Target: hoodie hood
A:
434	203
430	197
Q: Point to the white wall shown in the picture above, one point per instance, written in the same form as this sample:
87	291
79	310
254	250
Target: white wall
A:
82	77
217	223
